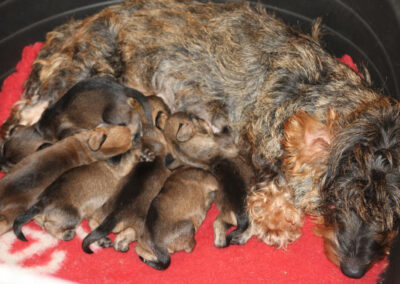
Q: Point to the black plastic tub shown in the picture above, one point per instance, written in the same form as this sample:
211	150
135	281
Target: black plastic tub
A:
369	31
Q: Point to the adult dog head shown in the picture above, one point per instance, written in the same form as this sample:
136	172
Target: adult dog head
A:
355	163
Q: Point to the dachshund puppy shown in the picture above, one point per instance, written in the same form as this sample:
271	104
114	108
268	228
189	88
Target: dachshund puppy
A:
86	105
193	142
175	215
125	213
76	195
129	209
151	145
20	188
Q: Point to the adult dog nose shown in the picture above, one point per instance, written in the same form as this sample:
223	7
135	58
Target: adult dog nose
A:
353	271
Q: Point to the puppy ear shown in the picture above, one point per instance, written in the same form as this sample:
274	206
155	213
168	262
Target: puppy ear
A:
161	119
185	132
203	126
97	139
44	146
307	139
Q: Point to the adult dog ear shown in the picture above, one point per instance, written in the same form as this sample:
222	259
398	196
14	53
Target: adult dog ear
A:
96	140
307	139
185	132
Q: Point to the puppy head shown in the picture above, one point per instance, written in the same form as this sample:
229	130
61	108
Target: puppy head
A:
109	140
23	141
193	142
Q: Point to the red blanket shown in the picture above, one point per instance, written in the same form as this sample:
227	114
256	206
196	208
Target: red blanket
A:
302	262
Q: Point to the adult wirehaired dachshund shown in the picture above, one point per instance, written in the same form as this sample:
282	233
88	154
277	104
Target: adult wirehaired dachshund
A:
236	65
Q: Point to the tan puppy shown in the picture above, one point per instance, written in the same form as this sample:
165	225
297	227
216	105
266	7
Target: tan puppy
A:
20	188
76	195
175	215
87	104
193	142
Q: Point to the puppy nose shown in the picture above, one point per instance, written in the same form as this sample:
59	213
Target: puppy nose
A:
353	271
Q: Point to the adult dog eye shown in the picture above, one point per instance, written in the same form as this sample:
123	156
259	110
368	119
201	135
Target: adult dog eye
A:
11	131
43	146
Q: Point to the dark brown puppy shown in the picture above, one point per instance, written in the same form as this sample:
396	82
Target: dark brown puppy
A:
20	188
129	208
125	213
193	142
86	105
76	195
151	144
175	215
233	64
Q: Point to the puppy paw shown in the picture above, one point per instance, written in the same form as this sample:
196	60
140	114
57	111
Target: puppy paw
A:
147	155
122	245
105	242
190	245
220	242
220	228
238	239
68	235
5	226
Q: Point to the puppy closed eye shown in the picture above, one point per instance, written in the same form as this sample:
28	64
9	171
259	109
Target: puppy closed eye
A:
96	141
43	146
185	132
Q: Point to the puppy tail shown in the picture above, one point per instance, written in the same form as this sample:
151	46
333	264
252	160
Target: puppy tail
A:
163	259
144	102
101	231
242	225
24	218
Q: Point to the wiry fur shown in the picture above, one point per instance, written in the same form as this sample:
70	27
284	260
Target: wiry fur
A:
235	65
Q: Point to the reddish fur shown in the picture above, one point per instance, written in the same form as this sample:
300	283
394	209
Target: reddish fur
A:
274	219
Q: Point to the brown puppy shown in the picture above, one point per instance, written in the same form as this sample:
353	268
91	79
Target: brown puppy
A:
125	213
151	144
74	112
175	215
76	195
193	142
20	188
129	209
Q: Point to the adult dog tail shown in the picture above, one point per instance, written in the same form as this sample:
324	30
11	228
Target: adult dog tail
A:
24	218
100	232
142	99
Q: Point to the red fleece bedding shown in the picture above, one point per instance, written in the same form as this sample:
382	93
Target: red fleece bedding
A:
302	262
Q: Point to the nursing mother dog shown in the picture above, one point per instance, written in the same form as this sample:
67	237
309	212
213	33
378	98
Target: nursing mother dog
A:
235	65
